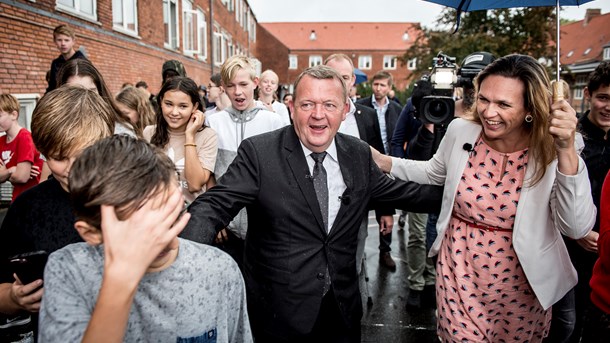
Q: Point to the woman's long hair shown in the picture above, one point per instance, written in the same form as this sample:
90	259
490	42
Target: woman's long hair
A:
83	67
537	102
185	85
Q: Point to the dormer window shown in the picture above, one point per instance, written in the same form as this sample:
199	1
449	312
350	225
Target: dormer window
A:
312	35
606	53
405	36
587	51
570	53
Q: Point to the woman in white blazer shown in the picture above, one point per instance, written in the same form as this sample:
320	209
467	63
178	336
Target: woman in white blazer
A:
514	183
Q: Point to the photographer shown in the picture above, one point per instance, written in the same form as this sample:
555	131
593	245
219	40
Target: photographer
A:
435	107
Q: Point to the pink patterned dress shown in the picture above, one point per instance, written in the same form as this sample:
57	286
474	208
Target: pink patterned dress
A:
481	290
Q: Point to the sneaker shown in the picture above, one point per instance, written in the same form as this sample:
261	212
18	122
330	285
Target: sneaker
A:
414	299
386	259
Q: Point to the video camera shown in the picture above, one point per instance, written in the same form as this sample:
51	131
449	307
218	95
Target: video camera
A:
439	107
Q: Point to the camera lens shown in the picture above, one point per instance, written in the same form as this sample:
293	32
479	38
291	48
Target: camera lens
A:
438	109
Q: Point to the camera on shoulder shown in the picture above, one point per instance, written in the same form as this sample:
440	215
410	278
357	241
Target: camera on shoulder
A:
439	107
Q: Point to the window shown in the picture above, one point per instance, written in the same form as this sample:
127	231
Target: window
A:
251	27
412	65
194	31
170	23
125	16
81	8
579	84
389	62
365	62
606	54
315	60
228	4
222	45
578	93
27	103
587	51
293	62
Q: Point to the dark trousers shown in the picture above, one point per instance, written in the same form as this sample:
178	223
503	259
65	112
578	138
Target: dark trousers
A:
384	242
564	319
596	326
328	328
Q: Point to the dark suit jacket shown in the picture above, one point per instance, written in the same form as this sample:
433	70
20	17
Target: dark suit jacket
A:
391	117
287	249
368	126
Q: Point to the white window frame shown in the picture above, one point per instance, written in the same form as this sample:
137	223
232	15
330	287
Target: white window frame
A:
365	62
174	41
606	53
578	93
190	28
203	36
27	103
293	62
389	62
124	26
412	64
76	9
251	27
315	60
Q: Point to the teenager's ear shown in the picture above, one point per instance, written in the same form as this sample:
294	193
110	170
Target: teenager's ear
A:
88	233
256	80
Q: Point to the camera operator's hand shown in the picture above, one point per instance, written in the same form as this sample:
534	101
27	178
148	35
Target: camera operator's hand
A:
429	127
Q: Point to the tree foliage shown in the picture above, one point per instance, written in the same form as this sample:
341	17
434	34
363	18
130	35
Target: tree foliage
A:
529	31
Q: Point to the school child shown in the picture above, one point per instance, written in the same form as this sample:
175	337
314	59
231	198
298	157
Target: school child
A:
181	133
134	279
18	156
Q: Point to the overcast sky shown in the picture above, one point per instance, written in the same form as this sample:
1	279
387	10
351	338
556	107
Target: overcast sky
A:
373	10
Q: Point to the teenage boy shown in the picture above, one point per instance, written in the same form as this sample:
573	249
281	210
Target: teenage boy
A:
594	126
235	123
268	86
64	39
18	156
64	122
134	279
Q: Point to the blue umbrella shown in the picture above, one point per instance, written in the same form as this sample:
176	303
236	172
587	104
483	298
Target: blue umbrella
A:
360	76
476	5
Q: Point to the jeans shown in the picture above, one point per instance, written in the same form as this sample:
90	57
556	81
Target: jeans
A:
564	319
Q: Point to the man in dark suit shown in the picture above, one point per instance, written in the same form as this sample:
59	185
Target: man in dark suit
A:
361	122
387	115
299	263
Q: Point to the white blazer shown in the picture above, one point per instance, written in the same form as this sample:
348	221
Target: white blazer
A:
558	204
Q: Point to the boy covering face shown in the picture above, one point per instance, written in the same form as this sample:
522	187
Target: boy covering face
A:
134	279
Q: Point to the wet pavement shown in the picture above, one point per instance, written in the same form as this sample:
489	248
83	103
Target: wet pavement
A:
387	318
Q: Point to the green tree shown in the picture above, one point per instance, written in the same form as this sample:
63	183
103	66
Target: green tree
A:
501	32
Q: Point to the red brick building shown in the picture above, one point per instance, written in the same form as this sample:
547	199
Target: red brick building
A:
127	40
584	44
372	47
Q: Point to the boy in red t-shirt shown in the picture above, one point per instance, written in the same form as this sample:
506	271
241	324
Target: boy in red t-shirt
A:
20	162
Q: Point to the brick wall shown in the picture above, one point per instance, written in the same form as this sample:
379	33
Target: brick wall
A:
273	55
26	40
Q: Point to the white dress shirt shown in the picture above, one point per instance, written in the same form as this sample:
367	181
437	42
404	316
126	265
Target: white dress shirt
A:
335	183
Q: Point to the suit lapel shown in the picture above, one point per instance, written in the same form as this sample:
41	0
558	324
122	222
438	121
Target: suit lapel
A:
361	125
348	167
300	171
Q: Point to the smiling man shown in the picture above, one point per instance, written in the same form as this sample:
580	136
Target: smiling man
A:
307	189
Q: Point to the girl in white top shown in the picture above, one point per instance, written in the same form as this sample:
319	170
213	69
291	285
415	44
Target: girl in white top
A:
181	133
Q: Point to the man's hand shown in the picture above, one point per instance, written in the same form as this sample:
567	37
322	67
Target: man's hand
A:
28	296
385	224
589	242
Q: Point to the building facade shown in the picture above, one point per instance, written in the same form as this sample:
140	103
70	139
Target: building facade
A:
371	46
584	44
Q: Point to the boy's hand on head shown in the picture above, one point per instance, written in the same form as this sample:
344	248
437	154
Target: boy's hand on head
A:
195	123
131	245
28	296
